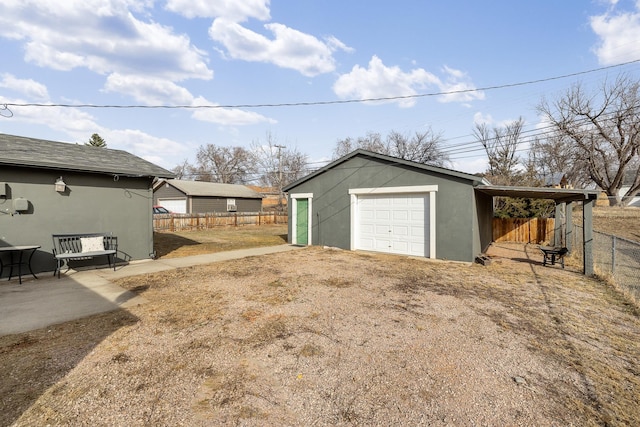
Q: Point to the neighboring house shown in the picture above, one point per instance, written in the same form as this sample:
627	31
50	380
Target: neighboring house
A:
629	177
203	197
555	180
372	202
272	200
104	190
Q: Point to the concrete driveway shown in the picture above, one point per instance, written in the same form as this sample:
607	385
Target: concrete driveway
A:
48	300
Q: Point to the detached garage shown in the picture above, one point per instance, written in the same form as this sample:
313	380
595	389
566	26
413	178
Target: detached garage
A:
193	197
368	201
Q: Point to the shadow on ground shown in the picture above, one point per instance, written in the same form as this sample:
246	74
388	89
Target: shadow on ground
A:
33	362
165	243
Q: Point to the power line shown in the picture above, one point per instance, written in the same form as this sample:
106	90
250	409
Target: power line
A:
5	106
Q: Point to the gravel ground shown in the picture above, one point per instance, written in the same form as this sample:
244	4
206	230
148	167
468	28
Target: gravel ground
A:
328	338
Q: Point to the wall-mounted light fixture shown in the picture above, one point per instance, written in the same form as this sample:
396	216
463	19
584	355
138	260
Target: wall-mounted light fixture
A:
60	185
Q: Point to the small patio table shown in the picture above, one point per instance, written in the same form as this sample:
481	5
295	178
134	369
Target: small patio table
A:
20	251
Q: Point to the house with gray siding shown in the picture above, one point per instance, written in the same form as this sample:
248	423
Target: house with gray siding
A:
372	202
194	197
104	190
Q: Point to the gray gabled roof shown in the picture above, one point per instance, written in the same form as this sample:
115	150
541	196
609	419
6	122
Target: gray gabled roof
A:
211	189
473	179
40	153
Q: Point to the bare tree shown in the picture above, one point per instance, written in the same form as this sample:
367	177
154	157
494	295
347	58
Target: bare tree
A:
183	170
501	145
227	165
371	142
555	154
278	164
421	147
604	129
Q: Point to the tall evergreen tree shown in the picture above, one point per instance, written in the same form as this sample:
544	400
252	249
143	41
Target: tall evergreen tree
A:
97	141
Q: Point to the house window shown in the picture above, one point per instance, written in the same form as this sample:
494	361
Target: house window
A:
231	205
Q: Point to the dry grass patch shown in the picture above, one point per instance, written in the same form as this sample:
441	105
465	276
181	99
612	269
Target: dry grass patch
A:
385	341
186	243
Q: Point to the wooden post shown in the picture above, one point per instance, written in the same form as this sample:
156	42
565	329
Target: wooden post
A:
559	222
587	234
569	227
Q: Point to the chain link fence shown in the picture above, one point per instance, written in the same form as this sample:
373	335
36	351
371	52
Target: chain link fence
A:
614	258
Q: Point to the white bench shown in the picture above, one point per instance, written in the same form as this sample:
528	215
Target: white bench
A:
77	246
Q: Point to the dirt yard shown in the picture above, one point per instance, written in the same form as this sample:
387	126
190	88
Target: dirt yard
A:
330	337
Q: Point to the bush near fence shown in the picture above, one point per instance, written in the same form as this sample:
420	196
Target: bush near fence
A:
188	222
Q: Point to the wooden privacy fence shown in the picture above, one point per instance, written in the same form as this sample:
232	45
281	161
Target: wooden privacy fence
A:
523	230
182	222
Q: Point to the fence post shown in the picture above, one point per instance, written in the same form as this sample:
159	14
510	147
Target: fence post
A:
613	255
235	220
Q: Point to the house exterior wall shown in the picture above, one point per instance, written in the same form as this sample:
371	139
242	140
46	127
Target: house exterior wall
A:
205	204
460	232
91	203
219	204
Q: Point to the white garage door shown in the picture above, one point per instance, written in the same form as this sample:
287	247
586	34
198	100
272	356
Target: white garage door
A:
175	206
397	224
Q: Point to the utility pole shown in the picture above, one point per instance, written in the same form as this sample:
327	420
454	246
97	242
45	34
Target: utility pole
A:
280	195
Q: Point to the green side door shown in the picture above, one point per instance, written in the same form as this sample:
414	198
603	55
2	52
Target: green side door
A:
302	221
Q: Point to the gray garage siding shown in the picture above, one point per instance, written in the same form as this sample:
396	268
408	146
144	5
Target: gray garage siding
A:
219	204
92	203
458	235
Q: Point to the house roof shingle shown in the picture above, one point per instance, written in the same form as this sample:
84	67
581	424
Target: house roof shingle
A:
213	189
39	153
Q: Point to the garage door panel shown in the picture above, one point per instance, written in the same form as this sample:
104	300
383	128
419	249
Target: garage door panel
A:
382	214
393	224
400	230
173	205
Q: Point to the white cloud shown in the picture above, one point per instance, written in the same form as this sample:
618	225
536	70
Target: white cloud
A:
102	36
27	87
619	34
152	91
288	49
228	116
160	151
73	121
380	81
234	10
459	87
482	119
149	90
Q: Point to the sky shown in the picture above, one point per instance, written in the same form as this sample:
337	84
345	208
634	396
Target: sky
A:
235	72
